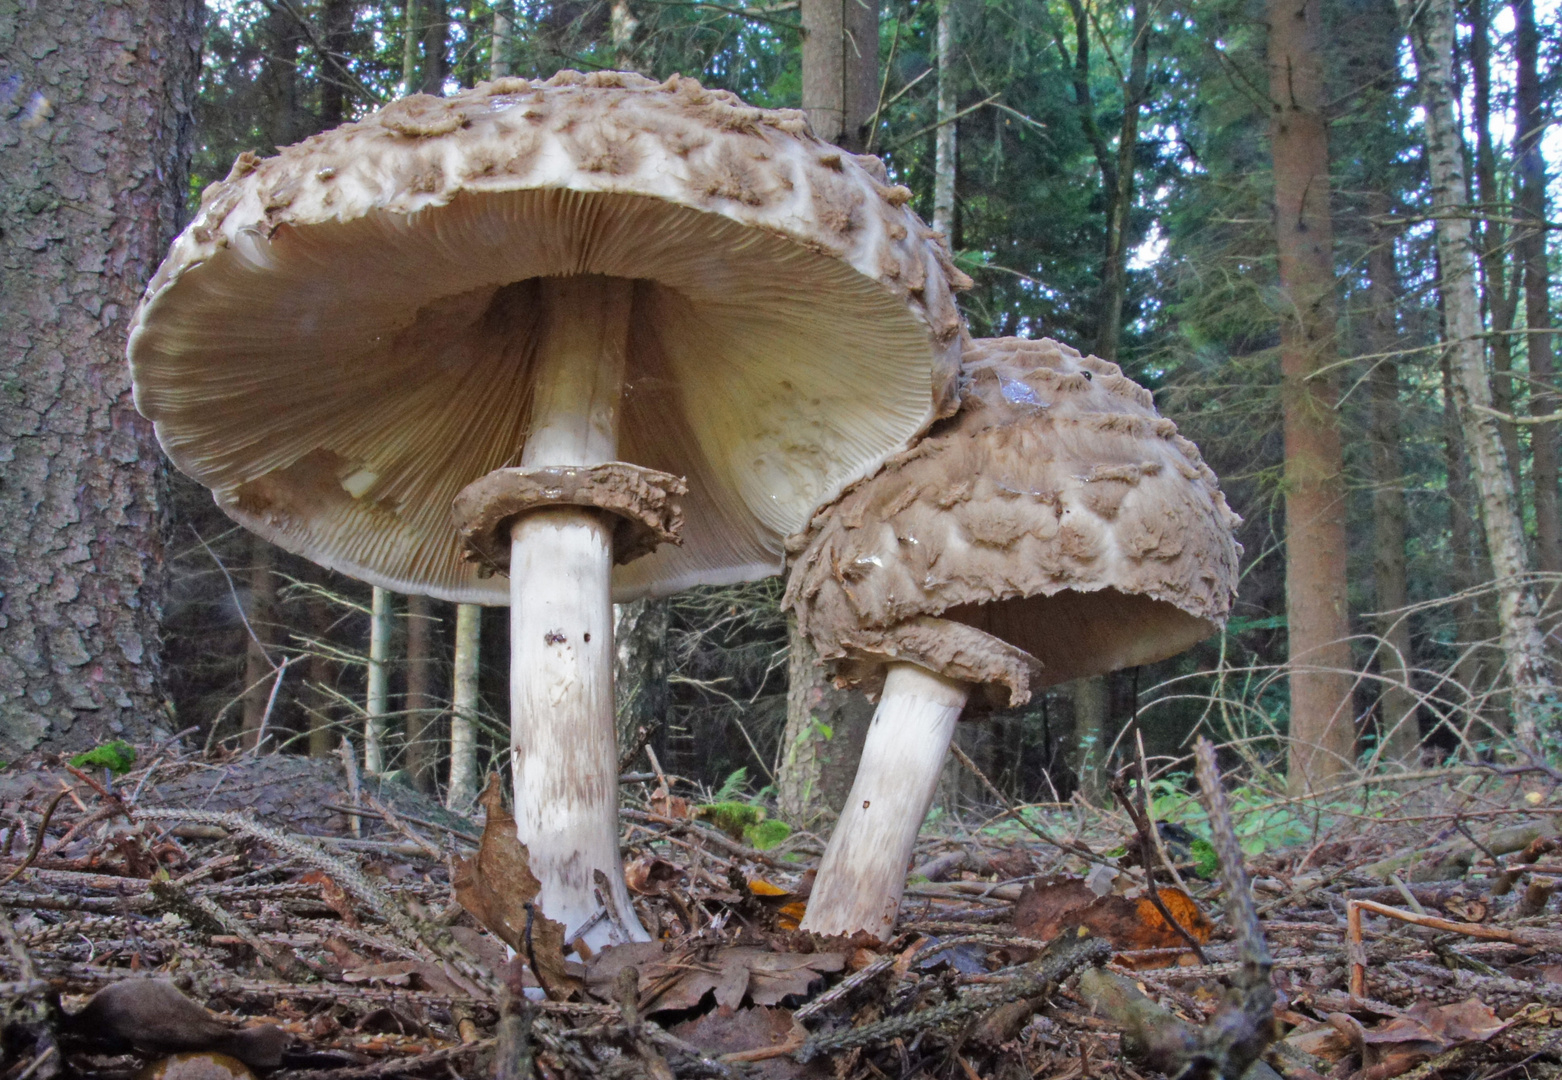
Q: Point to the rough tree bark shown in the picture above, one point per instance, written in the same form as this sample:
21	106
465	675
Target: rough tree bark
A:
499	46
94	149
1431	27
1530	243
640	689
840	69
422	705
1323	734
825	730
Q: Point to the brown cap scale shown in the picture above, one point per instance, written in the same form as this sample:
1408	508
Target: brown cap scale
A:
1055	527
634	331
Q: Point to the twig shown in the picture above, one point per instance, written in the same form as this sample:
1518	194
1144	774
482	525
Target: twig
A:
38	837
1073	848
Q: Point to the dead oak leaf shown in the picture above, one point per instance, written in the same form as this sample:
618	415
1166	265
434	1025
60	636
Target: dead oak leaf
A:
499	889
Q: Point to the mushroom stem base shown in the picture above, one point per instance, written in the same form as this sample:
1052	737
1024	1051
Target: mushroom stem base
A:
863	872
561	708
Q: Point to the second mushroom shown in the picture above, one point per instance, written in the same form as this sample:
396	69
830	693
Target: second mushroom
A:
1056	527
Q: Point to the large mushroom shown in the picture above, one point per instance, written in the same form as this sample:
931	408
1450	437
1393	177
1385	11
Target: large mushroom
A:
1055	527
584	311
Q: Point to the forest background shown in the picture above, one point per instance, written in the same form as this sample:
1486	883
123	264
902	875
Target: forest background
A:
1244	206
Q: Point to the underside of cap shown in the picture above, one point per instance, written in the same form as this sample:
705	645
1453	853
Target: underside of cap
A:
341	341
1056	527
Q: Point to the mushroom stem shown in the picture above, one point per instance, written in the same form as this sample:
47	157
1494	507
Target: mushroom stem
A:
561	622
863	872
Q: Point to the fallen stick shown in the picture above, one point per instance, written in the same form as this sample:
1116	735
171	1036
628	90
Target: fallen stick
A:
1539	939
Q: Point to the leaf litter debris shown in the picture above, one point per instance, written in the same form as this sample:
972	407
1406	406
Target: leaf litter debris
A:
215	919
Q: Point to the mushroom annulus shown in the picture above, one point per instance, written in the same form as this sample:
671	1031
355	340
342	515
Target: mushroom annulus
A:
628	333
1055	527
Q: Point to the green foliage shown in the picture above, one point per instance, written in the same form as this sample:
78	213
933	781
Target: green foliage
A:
733	785
118	757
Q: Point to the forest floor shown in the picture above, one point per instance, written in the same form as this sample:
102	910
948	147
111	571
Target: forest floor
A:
206	918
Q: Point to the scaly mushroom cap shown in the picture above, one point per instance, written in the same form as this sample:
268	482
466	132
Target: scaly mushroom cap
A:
1055	527
341	339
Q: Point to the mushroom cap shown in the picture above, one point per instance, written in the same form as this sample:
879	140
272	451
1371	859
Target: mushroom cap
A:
1055	527
341	339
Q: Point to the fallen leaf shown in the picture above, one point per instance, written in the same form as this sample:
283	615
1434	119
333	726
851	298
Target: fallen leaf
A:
498	887
1045	909
747	1034
678	980
332	894
650	876
668	806
1402	1042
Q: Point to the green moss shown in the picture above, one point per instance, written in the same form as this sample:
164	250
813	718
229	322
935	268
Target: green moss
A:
730	817
1206	864
765	835
117	757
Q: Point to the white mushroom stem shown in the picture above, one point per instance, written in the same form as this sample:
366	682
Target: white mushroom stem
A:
561	622
863	872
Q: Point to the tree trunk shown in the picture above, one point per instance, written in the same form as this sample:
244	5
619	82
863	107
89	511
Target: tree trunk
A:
422	705
410	31
1120	195
1322	734
1530	243
377	699
323	737
499	46
259	668
1093	736
945	140
336	17
825	731
1431	26
825	727
464	701
1398	726
1500	292
840	69
641	695
1472	672
436	47
92	168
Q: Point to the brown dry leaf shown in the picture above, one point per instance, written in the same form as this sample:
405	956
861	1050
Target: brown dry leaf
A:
332	894
650	876
1128	923
668	806
749	1032
1321	1041
497	886
1400	1044
679	979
